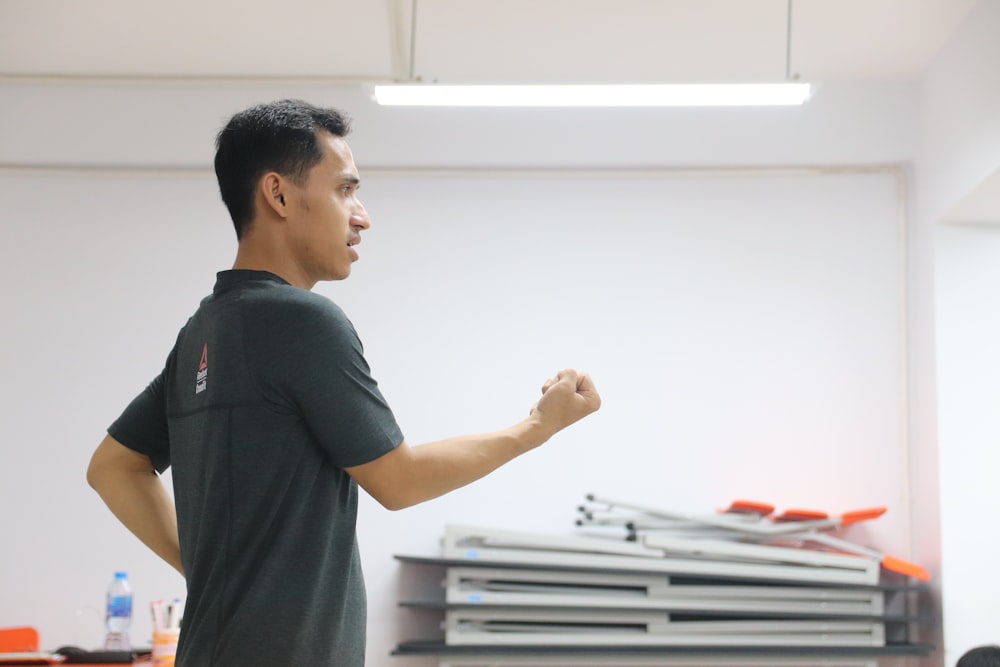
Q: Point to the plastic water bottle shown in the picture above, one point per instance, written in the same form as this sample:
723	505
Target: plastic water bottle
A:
118	617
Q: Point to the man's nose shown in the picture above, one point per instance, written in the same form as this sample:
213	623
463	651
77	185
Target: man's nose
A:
360	218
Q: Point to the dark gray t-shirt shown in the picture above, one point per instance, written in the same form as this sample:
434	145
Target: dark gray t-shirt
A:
264	400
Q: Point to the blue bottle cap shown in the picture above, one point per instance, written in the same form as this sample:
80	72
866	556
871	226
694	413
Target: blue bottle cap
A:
121	575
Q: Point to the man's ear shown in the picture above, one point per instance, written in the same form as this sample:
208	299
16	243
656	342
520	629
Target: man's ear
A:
272	189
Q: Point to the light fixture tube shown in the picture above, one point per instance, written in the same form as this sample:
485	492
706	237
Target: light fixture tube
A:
640	95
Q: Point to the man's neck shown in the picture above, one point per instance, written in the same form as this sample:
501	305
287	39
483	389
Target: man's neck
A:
249	257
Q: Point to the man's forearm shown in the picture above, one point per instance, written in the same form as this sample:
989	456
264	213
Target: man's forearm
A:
133	492
411	475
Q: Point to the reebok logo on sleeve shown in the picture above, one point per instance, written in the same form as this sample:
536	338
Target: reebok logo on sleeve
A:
201	380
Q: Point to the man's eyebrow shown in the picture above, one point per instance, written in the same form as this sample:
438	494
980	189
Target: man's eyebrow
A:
350	179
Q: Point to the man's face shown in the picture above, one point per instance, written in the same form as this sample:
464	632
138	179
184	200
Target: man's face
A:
328	217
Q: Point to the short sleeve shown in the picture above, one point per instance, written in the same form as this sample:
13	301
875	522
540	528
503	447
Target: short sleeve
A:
318	363
142	427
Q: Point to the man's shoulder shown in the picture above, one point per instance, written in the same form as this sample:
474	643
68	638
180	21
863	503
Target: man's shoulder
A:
243	287
284	311
298	302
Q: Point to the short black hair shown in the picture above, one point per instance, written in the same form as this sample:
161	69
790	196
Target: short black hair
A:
981	656
278	136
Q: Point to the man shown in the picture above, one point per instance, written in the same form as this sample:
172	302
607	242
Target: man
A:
987	655
268	414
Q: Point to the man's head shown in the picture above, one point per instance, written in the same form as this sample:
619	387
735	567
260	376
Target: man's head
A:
981	656
281	137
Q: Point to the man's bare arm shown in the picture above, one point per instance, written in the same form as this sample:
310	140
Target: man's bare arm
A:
409	475
129	486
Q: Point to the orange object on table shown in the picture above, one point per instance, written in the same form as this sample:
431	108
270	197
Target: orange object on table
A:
18	640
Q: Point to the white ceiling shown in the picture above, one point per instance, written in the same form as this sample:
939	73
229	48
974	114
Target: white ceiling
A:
513	41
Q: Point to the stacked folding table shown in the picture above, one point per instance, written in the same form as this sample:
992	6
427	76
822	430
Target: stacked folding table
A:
740	587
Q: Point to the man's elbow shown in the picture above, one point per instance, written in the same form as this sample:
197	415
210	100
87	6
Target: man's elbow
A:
390	479
395	501
96	474
107	465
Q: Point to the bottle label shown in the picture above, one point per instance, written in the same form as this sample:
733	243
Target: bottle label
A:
120	605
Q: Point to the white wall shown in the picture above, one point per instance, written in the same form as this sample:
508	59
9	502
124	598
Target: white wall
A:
953	288
968	280
800	357
736	355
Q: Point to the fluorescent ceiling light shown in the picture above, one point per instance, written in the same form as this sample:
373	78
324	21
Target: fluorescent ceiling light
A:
655	95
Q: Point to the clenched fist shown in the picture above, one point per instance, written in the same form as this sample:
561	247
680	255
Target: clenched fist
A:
566	398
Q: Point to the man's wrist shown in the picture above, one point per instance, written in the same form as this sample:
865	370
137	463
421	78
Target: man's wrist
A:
534	431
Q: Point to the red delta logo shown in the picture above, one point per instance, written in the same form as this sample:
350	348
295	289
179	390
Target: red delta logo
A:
201	381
